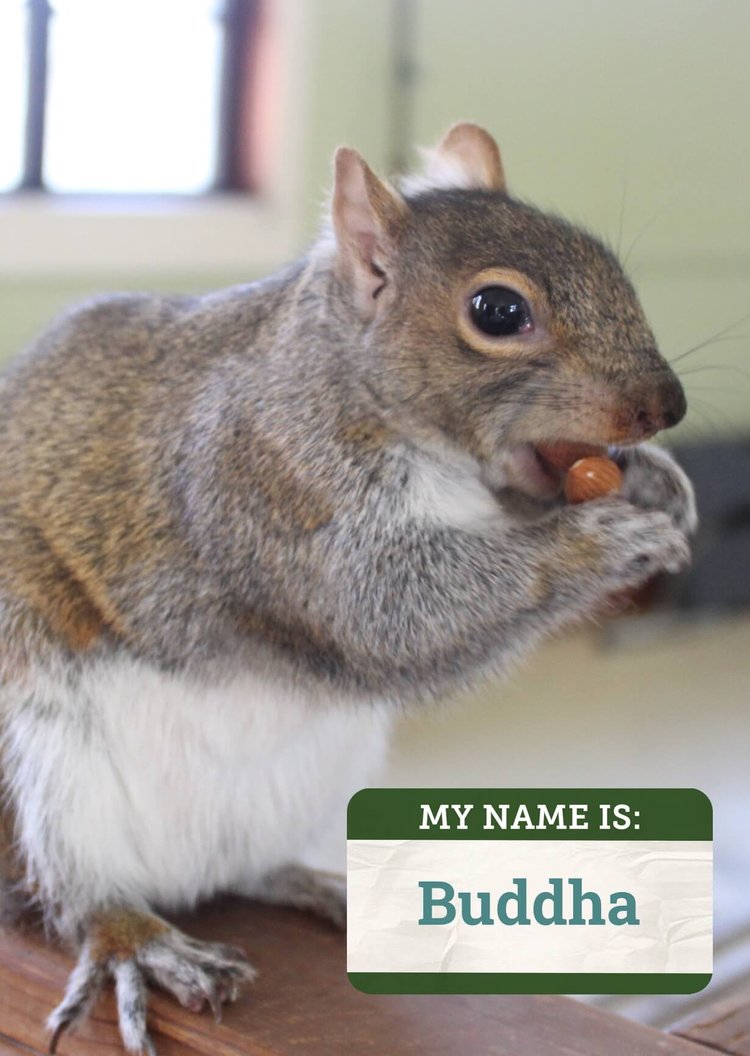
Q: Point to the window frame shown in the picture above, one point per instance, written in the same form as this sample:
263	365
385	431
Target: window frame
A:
43	232
39	13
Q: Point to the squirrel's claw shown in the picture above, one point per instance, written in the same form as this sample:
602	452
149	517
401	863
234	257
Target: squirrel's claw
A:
194	972
56	1035
84	985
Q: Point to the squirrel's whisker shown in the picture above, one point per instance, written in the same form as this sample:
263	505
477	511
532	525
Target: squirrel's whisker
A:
718	336
732	367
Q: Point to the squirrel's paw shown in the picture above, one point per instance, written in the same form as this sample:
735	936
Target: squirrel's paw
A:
632	544
135	949
314	890
653	480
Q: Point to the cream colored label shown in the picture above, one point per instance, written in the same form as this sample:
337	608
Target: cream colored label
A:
463	906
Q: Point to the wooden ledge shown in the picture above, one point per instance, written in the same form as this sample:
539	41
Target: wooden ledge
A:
303	1005
723	1027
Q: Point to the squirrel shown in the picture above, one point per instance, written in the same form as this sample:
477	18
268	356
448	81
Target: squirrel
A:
240	531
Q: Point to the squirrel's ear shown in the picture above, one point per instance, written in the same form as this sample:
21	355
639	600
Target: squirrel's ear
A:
368	217
466	157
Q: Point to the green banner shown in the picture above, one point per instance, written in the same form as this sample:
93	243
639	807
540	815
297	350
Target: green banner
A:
530	814
527	983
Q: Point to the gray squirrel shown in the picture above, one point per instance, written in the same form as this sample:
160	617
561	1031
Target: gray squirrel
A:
239	531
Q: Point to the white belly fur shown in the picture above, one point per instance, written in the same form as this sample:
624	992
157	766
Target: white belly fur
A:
150	788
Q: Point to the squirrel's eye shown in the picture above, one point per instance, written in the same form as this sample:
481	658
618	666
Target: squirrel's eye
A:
500	312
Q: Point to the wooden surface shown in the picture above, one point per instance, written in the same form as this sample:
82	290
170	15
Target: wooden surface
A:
303	1005
725	1027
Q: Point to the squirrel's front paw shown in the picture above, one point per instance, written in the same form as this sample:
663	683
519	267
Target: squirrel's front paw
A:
629	544
652	480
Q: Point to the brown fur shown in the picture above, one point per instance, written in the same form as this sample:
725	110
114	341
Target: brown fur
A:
63	601
118	933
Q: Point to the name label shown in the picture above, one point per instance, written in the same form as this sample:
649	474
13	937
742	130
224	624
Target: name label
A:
530	890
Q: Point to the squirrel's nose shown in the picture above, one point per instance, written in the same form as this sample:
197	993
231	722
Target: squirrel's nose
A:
666	408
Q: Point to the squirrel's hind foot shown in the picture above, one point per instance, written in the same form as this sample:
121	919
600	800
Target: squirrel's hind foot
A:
316	891
134	949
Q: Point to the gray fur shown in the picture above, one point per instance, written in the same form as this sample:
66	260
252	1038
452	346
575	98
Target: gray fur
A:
232	424
319	892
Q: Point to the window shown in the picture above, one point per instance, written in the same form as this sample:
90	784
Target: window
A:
254	129
125	96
